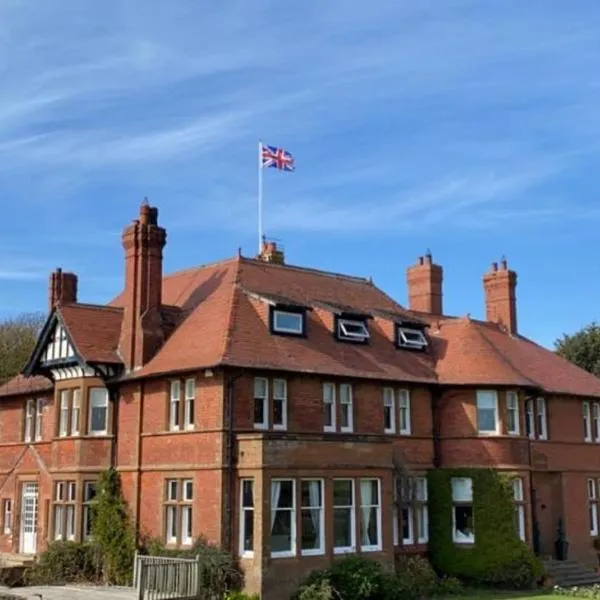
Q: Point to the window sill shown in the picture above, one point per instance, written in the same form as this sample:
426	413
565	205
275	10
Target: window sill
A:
287	554
344	550
346	429
405	432
260	426
279	427
389	431
314	552
247	555
371	549
464	543
329	429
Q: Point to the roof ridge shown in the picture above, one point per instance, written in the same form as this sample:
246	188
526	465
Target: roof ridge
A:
227	342
91	306
504	358
321	272
201	266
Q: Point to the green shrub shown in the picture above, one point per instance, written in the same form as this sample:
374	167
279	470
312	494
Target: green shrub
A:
66	562
416	576
498	557
449	586
321	590
220	572
112	530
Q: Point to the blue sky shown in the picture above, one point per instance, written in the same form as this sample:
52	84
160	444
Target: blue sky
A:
471	128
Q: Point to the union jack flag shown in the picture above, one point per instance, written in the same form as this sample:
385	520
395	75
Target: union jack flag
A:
278	158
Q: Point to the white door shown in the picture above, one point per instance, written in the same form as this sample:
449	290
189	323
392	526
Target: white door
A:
29	517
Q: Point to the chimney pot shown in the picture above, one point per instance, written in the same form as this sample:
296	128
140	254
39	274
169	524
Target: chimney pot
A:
271	253
494	266
420	260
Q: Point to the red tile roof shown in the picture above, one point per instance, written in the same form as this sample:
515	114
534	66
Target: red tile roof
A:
94	330
20	385
215	320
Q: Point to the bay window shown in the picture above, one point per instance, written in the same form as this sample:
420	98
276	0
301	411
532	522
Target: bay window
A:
592	506
519	499
512	413
541	419
283	517
463	531
370	515
98	411
311	517
487	411
344	525
247	518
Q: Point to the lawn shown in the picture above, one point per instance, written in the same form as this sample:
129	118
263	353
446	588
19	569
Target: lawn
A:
493	595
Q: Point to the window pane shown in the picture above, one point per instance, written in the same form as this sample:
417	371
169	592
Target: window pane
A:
190	388
463	523
248	541
518	489
345	393
311	493
248	493
407	525
342	527
286	494
89	491
98	409
175	389
328	392
278	412
259	411
342	492
260	387
287	321
281	531
462	489
172	489
188	490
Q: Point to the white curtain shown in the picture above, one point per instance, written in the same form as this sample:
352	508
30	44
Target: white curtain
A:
366	498
275	493
315	513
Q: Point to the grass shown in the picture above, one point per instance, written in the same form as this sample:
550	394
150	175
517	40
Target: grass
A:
501	595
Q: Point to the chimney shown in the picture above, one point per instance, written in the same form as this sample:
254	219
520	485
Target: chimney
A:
62	288
425	285
271	253
141	330
500	284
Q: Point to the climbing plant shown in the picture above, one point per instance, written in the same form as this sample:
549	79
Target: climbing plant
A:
497	557
112	530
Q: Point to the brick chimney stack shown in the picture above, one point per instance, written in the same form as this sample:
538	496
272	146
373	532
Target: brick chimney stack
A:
141	331
425	285
500	284
62	288
271	253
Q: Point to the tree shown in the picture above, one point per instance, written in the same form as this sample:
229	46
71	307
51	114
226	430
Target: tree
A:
582	348
18	336
112	529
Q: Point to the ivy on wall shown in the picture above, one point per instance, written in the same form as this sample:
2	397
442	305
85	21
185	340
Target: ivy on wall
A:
498	557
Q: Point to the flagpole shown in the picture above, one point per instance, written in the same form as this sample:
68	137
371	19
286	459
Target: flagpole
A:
260	199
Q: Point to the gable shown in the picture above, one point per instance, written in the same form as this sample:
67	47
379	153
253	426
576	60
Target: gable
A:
54	349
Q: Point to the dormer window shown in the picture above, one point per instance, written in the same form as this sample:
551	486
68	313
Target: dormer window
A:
352	330
409	337
288	320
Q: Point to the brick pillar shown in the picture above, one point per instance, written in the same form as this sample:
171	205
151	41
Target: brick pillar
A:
62	288
500	284
425	286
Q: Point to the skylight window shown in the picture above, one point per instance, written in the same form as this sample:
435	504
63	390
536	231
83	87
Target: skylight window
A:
355	331
411	338
288	322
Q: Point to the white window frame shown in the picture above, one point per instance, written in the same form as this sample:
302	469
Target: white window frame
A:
265	403
189	416
395	514
76	411
405	337
174	405
63	414
592	506
422	508
7	516
461	501
29	432
172	485
480	394
187	519
87	506
389	404
91	407
243	510
587	422
332	406
352	548
519	498
280	397
321	508
596	421
347	402
281	328
344	333
512	408
378	546
407	487
39	419
404	408
541	414
292	510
